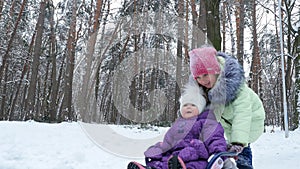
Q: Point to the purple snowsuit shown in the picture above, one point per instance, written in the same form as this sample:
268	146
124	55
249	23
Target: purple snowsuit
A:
193	139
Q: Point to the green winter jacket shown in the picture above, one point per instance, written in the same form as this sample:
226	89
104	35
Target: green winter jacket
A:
236	106
243	118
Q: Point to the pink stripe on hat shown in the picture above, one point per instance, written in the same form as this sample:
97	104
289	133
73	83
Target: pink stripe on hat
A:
203	61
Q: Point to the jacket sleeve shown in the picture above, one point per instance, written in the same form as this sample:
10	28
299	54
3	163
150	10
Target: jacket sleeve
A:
213	135
242	117
156	151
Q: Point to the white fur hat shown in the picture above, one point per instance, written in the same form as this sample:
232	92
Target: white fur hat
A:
193	94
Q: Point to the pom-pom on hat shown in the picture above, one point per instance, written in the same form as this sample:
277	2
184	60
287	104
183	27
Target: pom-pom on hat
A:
193	94
204	61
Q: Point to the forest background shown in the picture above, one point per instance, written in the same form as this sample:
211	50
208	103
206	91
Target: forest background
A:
126	61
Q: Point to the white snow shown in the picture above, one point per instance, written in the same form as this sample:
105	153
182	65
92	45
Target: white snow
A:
33	145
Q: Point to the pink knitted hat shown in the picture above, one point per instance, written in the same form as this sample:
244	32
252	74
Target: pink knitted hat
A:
204	61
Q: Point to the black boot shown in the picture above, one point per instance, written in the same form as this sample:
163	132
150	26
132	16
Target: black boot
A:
136	165
175	163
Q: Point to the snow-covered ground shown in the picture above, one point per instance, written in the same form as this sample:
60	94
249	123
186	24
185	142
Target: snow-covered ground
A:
33	145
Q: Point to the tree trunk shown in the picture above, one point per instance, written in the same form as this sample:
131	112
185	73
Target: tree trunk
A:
53	105
67	108
31	97
89	78
4	65
24	71
289	60
3	100
297	82
180	33
224	21
279	80
12	37
256	65
231	30
1	7
194	21
240	22
202	22
289	65
213	22
297	90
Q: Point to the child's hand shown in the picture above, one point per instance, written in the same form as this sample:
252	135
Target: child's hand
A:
188	154
195	150
235	147
154	151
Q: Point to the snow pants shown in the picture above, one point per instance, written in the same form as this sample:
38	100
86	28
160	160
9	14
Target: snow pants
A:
245	159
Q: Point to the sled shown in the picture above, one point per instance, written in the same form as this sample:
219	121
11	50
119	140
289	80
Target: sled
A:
135	165
221	154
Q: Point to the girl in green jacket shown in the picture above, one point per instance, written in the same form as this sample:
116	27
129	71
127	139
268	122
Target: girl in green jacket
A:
236	106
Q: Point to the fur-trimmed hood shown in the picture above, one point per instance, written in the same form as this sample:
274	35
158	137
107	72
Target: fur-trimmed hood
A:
229	81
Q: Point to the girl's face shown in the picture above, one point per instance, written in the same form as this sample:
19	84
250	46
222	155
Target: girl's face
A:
189	110
207	80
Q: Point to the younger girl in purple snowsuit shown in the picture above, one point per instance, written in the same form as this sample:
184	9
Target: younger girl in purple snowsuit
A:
192	138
